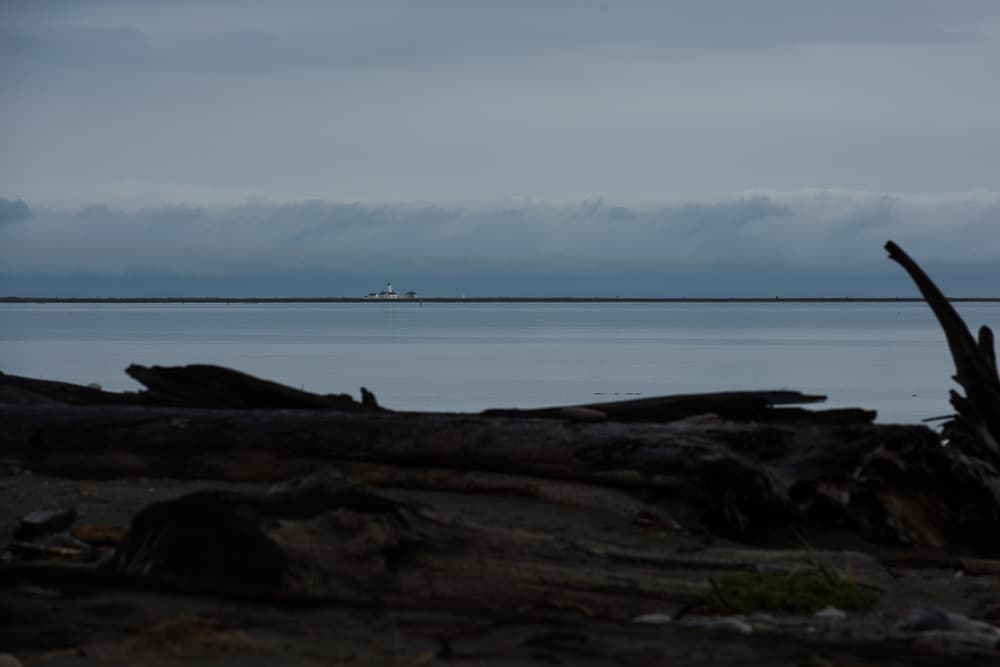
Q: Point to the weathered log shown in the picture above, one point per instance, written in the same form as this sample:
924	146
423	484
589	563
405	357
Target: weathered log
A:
193	386
732	405
206	386
19	390
975	361
747	481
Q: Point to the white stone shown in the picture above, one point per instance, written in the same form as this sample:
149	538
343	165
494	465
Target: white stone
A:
831	614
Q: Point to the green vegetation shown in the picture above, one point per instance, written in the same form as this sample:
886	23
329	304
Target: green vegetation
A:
747	592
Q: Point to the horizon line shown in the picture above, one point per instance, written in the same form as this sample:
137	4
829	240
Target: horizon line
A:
487	299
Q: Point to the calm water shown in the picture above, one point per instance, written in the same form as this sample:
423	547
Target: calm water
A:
890	357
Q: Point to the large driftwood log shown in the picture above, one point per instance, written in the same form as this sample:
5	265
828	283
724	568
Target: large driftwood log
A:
207	386
193	386
747	481
975	362
760	406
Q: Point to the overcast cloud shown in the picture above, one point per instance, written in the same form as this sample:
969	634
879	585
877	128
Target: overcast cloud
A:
624	147
748	246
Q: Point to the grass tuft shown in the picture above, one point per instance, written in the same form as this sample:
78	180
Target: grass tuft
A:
747	592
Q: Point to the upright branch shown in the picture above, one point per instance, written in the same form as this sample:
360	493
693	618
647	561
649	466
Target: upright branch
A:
975	361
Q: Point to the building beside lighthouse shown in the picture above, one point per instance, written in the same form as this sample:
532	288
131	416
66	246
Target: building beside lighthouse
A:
387	294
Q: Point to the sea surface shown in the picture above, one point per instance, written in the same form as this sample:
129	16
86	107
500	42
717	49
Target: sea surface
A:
891	357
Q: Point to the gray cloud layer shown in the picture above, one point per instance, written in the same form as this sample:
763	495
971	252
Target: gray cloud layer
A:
757	242
408	33
388	100
13	211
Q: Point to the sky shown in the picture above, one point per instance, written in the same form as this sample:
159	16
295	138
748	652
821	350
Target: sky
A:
660	148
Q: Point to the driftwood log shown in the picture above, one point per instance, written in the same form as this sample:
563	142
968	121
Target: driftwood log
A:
978	423
748	481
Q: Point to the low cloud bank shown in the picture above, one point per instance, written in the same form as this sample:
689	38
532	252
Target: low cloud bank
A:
827	243
13	211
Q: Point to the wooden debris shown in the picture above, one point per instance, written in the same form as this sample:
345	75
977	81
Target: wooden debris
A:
753	482
975	362
206	386
98	535
761	406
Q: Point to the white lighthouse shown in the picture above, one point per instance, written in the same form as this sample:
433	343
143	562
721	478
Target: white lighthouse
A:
387	293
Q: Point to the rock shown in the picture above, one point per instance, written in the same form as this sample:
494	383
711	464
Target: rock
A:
830	614
7	660
44	522
926	619
726	624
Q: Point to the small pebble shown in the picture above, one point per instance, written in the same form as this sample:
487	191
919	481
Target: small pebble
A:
44	522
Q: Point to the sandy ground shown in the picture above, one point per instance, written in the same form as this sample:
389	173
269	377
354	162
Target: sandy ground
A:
83	624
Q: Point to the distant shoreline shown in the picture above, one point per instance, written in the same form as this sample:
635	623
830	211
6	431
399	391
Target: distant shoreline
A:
491	299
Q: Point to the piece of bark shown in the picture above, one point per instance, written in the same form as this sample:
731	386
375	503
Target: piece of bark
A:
98	535
980	566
